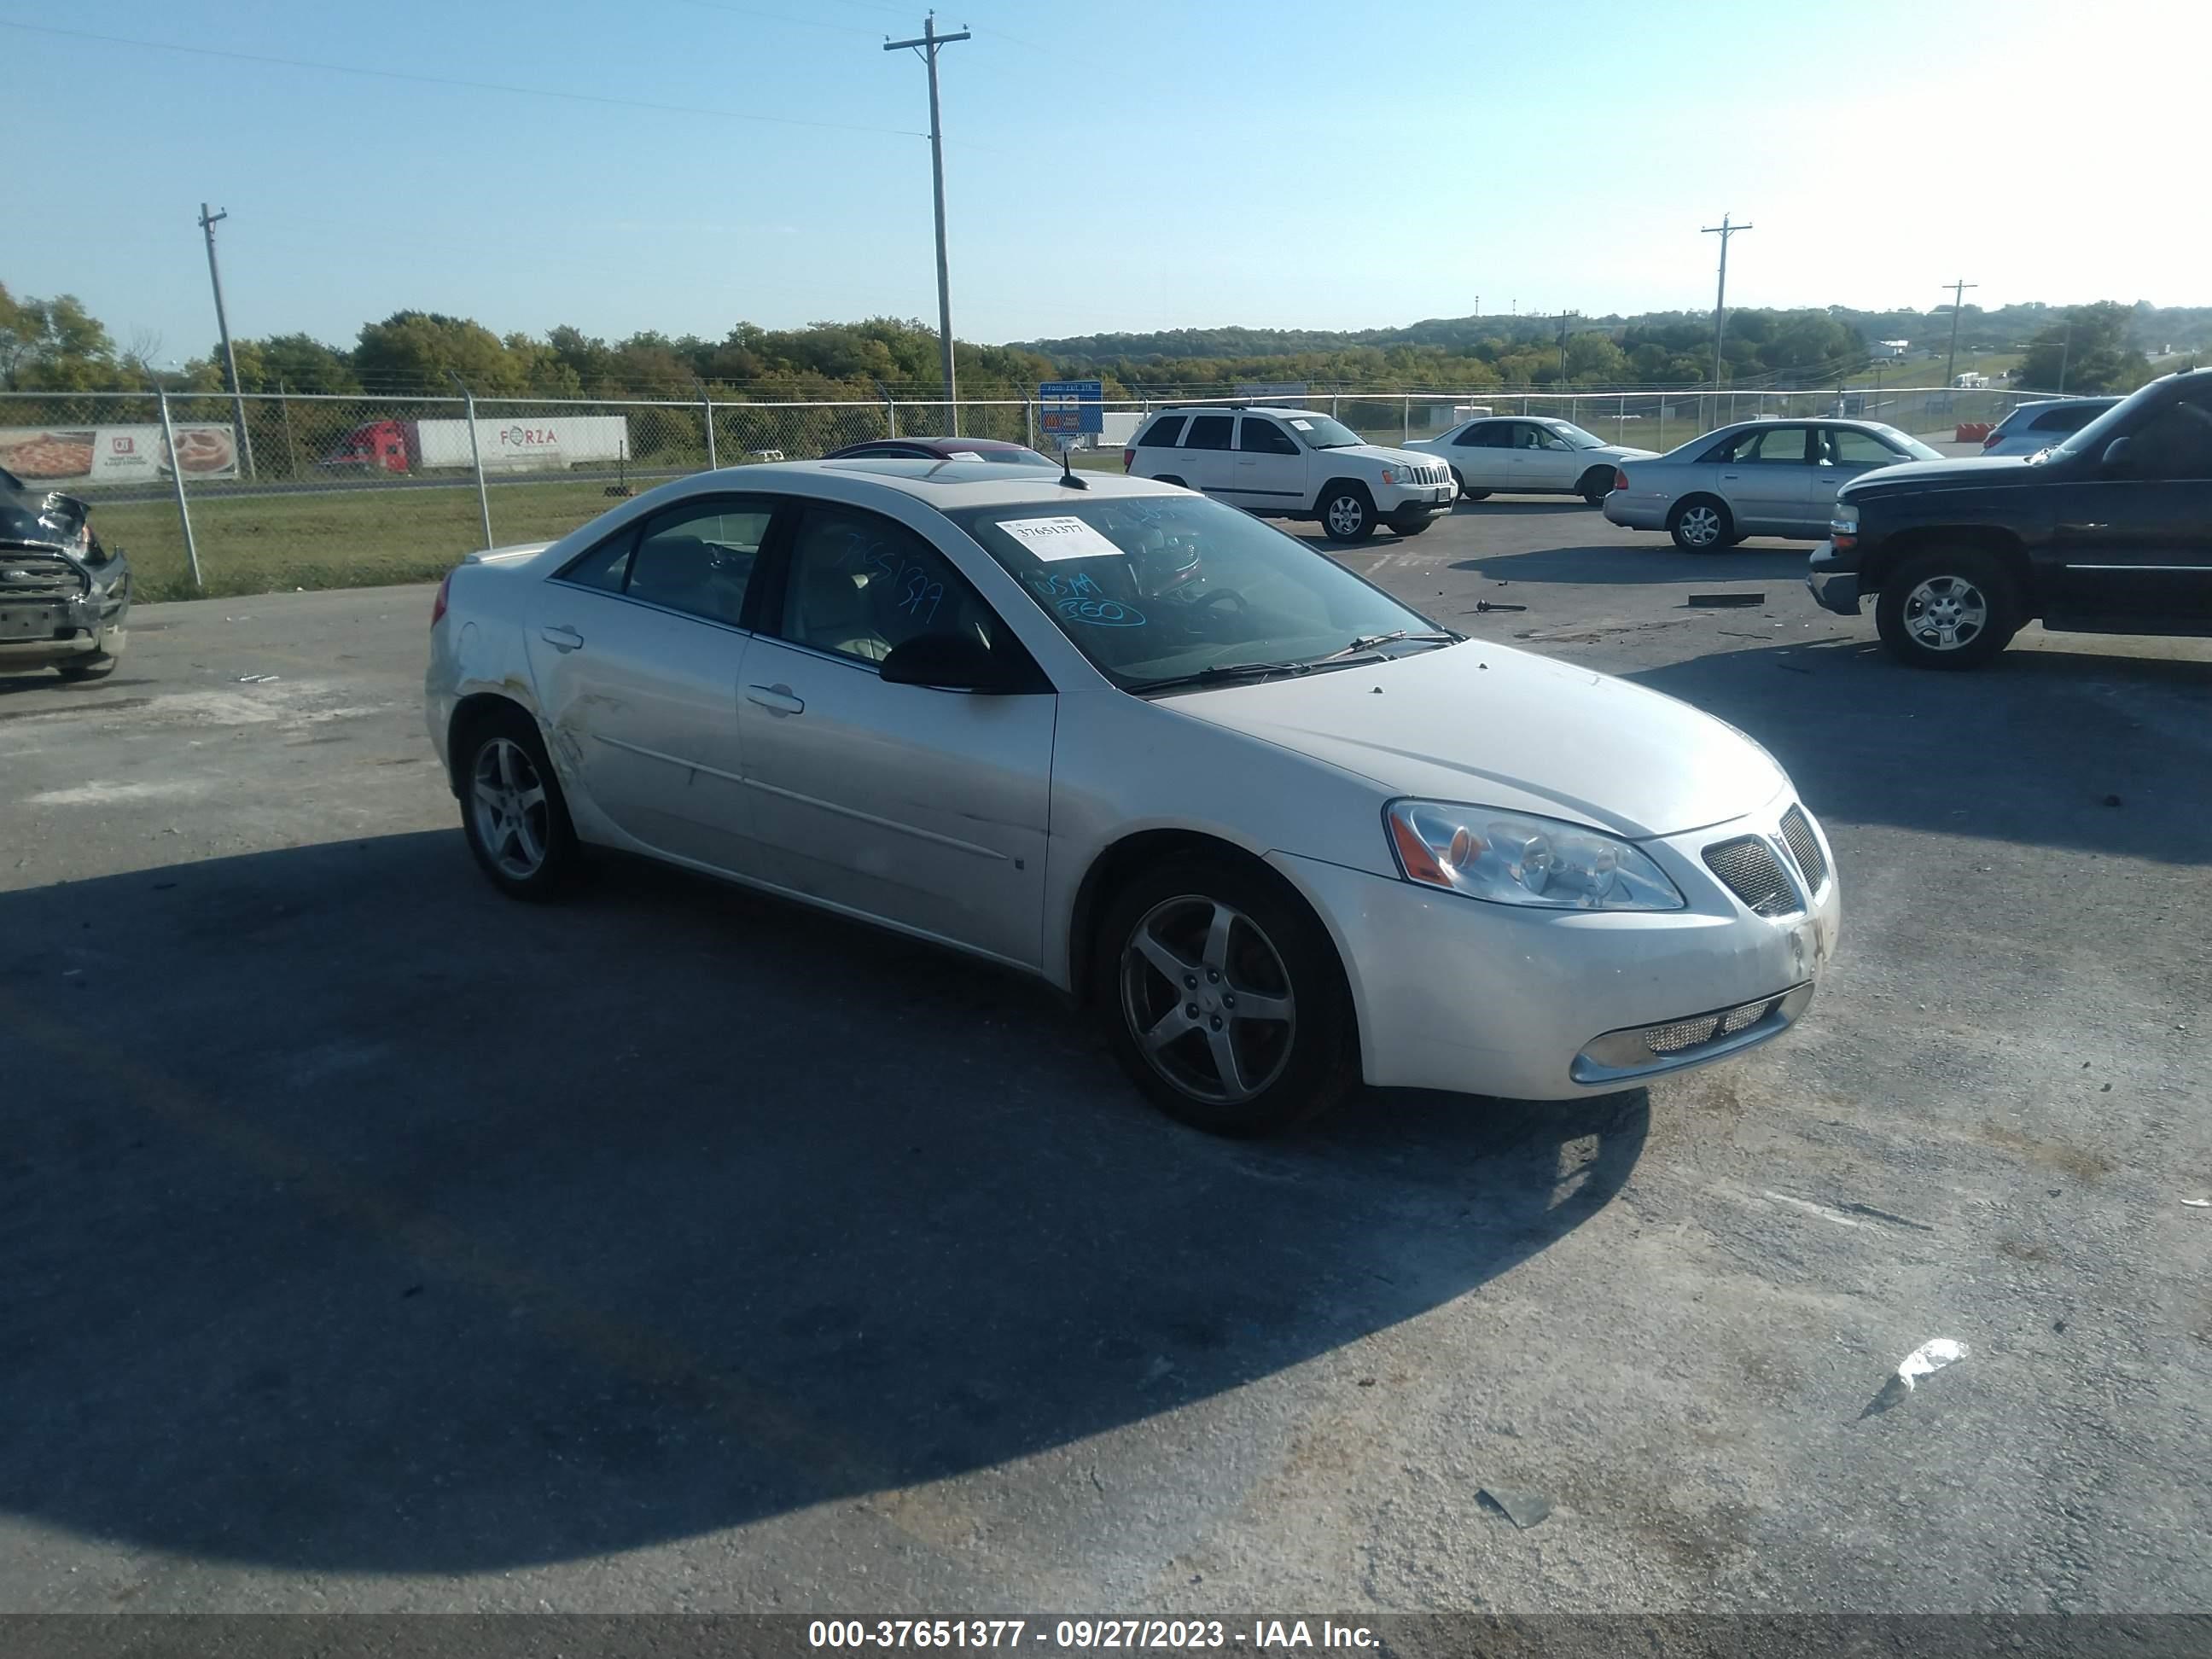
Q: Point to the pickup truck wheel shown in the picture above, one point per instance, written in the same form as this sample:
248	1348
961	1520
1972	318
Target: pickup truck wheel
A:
1596	485
1465	494
1347	512
87	668
1700	524
1948	610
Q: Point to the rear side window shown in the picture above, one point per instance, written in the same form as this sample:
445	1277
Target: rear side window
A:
2065	420
1165	433
1498	434
1208	432
606	567
1257	435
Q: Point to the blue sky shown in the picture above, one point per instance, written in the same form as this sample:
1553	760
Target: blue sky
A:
1124	164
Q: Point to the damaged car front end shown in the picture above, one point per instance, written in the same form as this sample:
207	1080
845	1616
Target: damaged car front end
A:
64	599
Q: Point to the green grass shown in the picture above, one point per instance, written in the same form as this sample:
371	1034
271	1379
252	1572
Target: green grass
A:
356	539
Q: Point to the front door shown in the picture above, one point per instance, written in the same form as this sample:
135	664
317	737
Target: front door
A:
920	807
1271	468
1768	480
1841	454
1543	461
636	649
2135	534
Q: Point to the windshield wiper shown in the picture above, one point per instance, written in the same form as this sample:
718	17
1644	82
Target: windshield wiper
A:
1360	648
1368	642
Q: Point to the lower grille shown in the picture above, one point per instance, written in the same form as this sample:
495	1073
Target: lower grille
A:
1681	1035
28	575
1805	847
1753	874
1643	1050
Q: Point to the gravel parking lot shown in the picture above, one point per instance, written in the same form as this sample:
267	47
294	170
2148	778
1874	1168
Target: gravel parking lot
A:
369	1241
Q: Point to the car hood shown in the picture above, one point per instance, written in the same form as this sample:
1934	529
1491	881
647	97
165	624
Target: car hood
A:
1964	473
1491	727
1384	454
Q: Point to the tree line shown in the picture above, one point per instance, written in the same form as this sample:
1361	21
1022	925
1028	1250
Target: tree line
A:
56	344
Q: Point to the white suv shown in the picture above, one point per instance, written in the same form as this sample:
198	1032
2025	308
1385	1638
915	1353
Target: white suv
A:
1292	463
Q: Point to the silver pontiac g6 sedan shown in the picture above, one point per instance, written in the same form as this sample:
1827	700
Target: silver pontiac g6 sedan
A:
1284	834
1755	478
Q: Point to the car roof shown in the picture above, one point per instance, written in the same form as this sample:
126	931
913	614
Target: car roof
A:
946	485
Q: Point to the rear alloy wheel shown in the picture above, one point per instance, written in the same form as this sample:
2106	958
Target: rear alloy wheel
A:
511	811
1596	485
1346	513
1700	525
1224	999
1948	610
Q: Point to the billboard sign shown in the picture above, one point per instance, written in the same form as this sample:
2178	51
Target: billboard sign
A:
1068	409
60	456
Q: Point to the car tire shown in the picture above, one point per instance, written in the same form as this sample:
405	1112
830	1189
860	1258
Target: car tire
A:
1701	524
1411	526
1948	609
1465	494
1596	485
1346	512
1225	929
512	811
1170	478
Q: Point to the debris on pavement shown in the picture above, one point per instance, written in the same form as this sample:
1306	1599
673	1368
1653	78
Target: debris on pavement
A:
1482	605
1928	1359
1523	1508
2112	800
2198	1203
1727	598
256	679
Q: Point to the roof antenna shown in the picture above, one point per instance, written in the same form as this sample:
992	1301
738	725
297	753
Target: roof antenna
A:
1067	478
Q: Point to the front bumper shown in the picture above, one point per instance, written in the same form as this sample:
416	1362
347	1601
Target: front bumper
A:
1834	582
45	631
1414	501
1453	993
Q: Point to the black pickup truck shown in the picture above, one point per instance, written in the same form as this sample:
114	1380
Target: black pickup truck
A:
2108	531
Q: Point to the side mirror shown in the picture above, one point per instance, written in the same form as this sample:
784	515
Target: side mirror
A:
948	662
2115	457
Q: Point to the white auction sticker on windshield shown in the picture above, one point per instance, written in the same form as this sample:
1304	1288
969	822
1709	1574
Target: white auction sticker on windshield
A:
1059	539
1303	426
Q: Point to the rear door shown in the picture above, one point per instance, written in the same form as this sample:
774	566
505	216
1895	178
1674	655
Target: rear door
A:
920	807
1768	480
2135	536
1208	461
636	649
1270	467
1158	446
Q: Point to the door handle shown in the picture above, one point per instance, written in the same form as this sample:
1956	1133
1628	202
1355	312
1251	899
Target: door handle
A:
776	699
562	639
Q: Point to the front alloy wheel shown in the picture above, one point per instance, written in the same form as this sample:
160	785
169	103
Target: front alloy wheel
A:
1348	517
1952	609
1945	613
1207	1001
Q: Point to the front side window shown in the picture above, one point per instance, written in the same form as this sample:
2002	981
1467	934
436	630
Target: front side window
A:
1209	432
1152	588
1165	433
1848	446
1258	435
2173	442
859	584
1543	437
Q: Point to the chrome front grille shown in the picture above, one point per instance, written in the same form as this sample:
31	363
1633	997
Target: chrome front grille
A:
1752	872
1805	847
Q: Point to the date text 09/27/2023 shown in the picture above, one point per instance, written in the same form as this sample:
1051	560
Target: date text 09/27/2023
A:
1256	1635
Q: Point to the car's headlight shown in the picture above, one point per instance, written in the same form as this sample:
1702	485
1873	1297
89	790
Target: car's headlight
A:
1506	858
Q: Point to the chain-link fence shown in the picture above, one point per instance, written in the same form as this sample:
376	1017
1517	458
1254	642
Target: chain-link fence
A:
211	494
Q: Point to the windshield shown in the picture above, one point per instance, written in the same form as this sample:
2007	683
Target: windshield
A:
1321	432
1575	437
1153	588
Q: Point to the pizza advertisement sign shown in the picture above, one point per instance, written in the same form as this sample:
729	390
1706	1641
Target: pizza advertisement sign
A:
55	456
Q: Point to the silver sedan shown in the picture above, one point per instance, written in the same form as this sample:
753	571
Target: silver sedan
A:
1755	478
1284	834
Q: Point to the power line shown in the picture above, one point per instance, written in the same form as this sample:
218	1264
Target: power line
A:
775	17
468	85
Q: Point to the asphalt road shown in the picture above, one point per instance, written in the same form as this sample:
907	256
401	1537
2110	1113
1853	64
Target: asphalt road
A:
369	1241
